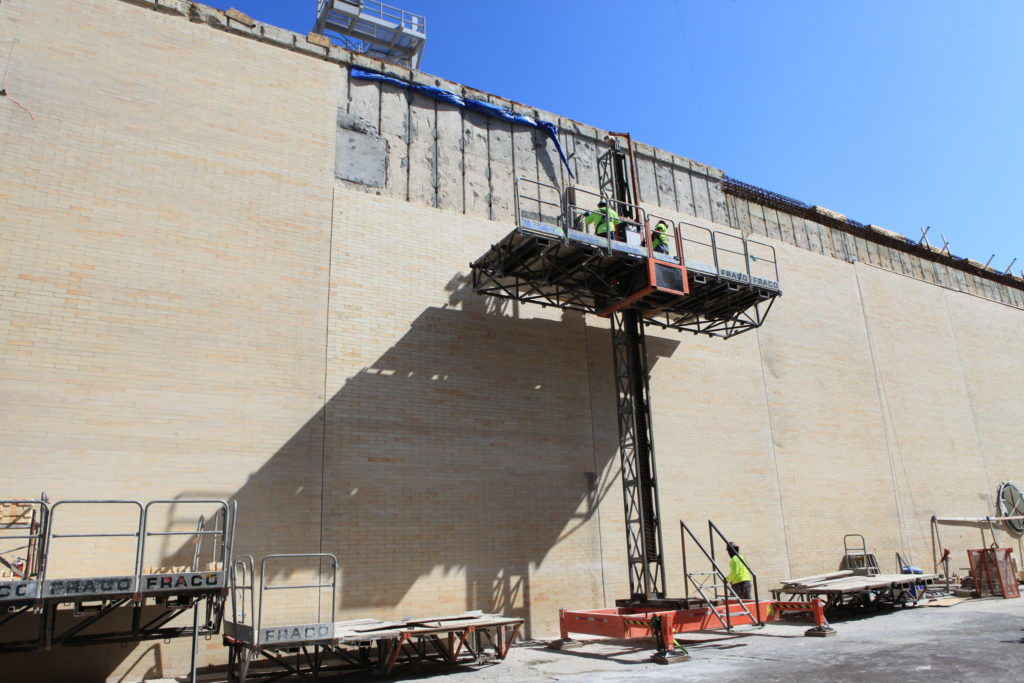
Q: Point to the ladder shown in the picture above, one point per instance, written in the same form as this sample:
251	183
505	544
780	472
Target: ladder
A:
858	558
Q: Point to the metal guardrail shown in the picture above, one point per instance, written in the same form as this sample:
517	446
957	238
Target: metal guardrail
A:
629	218
220	552
134	526
540	205
766	264
543	208
51	534
382	12
266	586
243	583
34	535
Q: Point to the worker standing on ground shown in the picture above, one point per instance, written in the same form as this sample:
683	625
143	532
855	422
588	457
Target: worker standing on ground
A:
739	575
599	219
659	238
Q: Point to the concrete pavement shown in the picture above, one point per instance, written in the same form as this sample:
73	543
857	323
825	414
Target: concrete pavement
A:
977	640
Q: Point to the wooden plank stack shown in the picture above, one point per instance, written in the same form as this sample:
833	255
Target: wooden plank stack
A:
183	569
847	582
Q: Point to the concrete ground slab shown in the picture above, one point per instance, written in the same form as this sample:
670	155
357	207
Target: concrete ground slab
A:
978	640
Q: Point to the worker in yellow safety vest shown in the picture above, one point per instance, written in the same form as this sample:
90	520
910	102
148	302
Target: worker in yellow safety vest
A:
739	575
599	219
659	238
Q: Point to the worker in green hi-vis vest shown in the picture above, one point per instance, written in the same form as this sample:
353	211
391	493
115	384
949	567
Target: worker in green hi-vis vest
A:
739	575
600	221
659	238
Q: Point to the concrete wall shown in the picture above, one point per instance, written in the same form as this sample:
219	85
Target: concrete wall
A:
230	270
435	154
754	219
442	156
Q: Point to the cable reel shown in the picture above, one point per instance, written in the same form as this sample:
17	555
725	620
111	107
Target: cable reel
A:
1010	503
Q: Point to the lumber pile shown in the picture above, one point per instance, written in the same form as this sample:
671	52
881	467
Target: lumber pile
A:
183	569
817	578
847	581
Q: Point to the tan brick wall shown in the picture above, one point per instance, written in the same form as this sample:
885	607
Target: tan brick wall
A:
458	427
824	412
165	220
191	305
927	409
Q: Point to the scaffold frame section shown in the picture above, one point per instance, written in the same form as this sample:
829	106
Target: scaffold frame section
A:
532	268
260	648
45	611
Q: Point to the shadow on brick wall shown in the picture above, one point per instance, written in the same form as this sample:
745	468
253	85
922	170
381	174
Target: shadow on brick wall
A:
467	448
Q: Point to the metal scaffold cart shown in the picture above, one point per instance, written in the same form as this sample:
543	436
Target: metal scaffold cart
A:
84	580
263	645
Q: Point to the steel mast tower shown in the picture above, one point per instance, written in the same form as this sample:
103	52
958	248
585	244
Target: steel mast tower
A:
689	278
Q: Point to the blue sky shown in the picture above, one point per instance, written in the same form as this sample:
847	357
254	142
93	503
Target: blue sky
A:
904	113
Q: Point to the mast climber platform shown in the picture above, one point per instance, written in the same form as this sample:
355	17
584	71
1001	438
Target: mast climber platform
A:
704	281
375	29
603	253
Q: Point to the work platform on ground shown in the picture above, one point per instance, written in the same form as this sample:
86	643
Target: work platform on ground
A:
80	573
261	647
57	591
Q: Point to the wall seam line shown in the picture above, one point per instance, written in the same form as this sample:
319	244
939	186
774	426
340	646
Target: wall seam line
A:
462	144
888	426
593	449
970	402
323	410
775	455
408	146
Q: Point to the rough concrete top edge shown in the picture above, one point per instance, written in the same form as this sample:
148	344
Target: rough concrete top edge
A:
313	45
828	212
883	231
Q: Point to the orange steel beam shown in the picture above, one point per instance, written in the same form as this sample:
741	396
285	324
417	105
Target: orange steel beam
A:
634	622
816	608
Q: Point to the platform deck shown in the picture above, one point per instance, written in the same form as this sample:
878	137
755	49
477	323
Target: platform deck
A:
536	263
369	644
850	589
